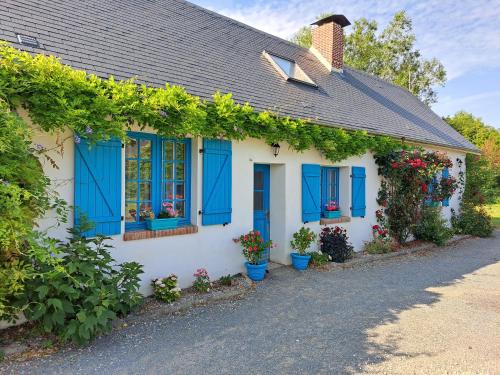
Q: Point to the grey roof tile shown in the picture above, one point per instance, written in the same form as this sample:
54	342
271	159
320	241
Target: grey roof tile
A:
181	43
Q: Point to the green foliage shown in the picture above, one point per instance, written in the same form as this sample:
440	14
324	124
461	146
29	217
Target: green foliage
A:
226	280
335	243
404	189
318	259
59	97
390	55
166	289
472	220
377	247
432	227
483	172
302	240
78	290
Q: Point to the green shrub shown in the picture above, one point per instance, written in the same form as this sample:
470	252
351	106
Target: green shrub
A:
80	291
202	282
335	243
226	280
432	227
302	240
318	259
166	289
472	220
377	247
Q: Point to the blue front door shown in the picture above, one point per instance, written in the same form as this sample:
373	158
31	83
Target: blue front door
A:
261	202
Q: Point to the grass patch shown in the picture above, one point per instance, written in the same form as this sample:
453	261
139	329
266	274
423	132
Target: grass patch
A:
494	211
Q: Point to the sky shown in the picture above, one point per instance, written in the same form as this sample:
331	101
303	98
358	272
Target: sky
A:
463	35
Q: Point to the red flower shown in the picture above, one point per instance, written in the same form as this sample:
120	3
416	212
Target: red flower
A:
424	188
376	227
394	165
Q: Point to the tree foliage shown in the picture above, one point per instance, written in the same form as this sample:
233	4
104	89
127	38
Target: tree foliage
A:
390	54
483	172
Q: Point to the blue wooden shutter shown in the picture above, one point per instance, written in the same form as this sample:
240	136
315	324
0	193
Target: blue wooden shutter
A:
217	182
445	174
98	189
358	208
311	192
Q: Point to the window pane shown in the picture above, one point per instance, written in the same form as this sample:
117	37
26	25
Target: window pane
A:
131	149
258	200
179	207
179	151
131	212
169	191
131	191
179	191
168	172
145	170
131	169
179	171
258	180
145	149
145	193
168	150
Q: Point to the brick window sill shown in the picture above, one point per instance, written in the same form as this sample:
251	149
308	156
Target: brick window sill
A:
342	219
147	234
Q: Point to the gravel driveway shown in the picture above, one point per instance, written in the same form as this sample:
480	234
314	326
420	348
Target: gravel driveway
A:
432	313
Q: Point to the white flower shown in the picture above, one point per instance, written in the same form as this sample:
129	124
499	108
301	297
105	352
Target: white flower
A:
158	282
176	289
329	257
162	285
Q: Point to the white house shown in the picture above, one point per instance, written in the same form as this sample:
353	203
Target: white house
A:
222	189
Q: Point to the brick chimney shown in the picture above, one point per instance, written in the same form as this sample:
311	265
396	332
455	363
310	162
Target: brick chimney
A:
328	41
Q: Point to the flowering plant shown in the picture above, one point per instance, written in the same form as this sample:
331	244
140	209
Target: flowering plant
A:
166	289
335	243
302	239
202	283
167	211
380	230
146	213
254	246
331	206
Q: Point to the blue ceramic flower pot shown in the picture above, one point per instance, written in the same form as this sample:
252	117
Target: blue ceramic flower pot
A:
300	262
256	272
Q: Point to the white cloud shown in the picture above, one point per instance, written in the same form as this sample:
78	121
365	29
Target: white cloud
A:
463	35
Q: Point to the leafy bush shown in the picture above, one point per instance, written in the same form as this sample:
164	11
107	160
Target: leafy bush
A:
334	243
302	240
377	247
472	220
166	289
226	280
80	291
202	283
318	259
432	227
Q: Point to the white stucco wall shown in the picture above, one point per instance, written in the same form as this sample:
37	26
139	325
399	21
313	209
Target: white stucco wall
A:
212	247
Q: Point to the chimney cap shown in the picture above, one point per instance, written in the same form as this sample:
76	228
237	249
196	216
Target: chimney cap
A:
339	19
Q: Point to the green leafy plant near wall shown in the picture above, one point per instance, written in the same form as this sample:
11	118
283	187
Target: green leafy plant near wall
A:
59	98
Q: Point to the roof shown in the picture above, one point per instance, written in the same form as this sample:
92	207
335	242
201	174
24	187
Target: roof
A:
174	41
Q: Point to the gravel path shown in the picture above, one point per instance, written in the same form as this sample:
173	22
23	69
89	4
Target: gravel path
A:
431	313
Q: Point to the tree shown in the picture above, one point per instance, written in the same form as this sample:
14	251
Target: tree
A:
483	172
390	54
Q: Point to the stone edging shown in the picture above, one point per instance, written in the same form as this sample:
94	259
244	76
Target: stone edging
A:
361	259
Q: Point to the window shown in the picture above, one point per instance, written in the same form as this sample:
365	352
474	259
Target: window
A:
329	186
157	170
289	69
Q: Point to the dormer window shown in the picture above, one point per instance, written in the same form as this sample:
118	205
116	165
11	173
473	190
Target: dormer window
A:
289	69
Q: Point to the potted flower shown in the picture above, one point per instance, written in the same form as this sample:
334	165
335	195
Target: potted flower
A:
167	218
254	248
332	210
301	241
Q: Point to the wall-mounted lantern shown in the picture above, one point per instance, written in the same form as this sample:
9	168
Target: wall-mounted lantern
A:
276	149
